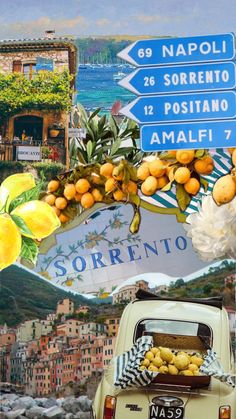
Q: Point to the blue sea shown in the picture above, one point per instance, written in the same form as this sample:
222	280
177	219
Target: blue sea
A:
97	88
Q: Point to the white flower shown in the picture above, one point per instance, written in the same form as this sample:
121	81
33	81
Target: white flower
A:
213	229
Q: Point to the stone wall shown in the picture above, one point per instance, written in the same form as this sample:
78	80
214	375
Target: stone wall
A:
60	58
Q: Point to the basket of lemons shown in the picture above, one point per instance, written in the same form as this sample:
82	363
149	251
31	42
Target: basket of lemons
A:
175	367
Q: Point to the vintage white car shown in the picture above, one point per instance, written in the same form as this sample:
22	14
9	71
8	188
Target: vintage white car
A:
204	322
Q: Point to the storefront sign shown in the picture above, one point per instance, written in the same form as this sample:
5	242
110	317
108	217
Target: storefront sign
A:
77	132
28	153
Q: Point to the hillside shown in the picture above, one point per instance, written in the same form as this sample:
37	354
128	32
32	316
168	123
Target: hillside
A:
210	284
25	296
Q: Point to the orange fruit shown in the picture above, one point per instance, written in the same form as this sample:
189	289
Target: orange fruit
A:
110	184
57	211
61	203
97	195
182	175
50	199
96	179
130	187
69	191
149	186
162	181
192	186
63	218
106	169
230	150
143	171
185	156
53	185
234	157
78	197
118	195
117	173
87	200
157	168
204	166
82	186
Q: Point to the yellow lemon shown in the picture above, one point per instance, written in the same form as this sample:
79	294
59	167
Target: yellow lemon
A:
173	370
14	186
193	367
10	241
196	360
142	368
186	372
181	362
166	354
149	355
145	362
153	368
157	361
155	350
164	369
39	217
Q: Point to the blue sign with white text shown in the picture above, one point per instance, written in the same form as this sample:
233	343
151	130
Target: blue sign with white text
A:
189	135
163	51
182	107
182	78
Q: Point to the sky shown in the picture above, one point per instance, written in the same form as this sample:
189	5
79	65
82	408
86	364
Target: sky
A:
30	18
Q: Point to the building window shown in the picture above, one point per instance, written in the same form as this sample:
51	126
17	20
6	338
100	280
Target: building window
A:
29	70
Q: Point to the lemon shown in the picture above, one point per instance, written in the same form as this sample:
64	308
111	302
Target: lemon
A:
196	360
193	367
145	362
149	355
153	368
181	362
157	361
164	369
173	370
155	351
14	186
166	354
39	217
10	241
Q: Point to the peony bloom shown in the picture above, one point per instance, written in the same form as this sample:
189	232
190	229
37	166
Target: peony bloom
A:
213	229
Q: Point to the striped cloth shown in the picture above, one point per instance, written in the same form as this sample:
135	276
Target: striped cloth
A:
127	371
212	367
222	166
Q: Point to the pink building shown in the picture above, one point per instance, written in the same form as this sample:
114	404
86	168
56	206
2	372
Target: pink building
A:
113	325
42	377
65	306
70	328
7	338
108	350
70	365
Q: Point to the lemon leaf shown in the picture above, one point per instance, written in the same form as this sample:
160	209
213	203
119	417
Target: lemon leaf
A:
200	153
183	198
29	250
204	183
24	229
30	195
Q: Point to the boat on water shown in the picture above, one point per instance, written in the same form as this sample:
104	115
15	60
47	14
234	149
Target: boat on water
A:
119	75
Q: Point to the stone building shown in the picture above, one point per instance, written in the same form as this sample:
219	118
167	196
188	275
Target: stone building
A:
128	292
38	125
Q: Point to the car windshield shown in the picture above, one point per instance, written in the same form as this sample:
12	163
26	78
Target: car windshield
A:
179	334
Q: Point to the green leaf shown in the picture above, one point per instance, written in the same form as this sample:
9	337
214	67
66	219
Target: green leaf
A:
113	126
183	198
24	229
199	153
167	187
27	196
89	150
115	146
29	250
94	114
204	183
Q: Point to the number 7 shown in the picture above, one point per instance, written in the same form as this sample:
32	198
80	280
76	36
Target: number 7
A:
228	133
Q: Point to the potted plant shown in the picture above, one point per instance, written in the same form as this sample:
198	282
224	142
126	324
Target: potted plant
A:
54	129
45	153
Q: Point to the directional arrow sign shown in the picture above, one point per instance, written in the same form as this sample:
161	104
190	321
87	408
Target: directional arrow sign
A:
150	52
182	107
182	78
189	135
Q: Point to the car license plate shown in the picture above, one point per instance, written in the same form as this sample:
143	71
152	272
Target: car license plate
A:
165	412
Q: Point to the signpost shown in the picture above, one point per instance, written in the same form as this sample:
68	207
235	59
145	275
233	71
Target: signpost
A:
189	135
182	78
173	89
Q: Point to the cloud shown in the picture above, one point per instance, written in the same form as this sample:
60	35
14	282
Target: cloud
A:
158	18
103	22
36	27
